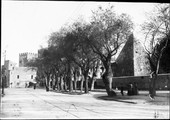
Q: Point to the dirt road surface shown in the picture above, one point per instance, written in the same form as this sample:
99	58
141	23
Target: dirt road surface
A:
25	103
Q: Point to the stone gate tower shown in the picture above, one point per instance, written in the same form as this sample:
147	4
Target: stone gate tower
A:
24	58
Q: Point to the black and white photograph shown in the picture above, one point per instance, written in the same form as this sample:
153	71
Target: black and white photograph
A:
85	60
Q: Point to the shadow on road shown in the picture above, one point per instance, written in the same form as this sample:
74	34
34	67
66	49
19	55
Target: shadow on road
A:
70	93
114	99
160	99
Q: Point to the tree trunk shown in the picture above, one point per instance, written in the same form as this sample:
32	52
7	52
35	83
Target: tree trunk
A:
82	81
54	82
152	85
58	83
93	79
65	82
92	83
70	85
75	81
107	78
86	83
75	85
61	83
70	78
47	83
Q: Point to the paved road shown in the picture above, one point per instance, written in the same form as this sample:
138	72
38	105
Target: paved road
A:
29	103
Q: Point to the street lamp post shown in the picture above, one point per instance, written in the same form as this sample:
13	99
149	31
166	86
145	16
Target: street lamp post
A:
3	85
3	79
3	74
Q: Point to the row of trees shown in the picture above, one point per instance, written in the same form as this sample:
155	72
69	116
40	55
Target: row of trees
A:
75	50
81	46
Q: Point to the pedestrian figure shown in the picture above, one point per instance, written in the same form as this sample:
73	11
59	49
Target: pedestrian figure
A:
135	88
25	85
34	86
11	84
130	87
116	88
122	88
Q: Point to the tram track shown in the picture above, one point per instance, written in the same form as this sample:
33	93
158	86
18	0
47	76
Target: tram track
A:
135	108
52	104
69	104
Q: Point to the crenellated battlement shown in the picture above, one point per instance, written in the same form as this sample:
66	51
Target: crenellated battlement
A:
25	57
27	53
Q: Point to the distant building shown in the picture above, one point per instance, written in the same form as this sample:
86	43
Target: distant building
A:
9	66
24	58
19	76
22	75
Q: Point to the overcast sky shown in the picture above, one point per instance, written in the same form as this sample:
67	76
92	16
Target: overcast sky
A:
27	24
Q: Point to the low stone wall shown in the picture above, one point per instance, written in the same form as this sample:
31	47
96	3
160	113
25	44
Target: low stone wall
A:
163	82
